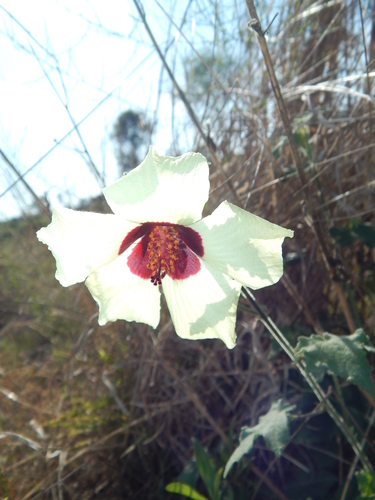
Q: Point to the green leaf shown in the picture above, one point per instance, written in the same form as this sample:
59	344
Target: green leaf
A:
104	356
302	136
366	233
190	473
185	490
273	427
206	469
344	236
217	482
366	483
353	231
344	356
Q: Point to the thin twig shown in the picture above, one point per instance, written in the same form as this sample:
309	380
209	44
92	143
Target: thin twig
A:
256	26
301	303
193	396
91	163
209	143
355	461
59	481
37	200
57	143
368	80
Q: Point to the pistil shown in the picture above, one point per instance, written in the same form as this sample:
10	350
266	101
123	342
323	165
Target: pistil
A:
163	249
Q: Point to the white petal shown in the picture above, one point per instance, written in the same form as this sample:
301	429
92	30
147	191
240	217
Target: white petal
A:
162	189
242	245
203	306
121	294
82	242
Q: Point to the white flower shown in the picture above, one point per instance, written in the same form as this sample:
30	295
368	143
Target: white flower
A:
157	239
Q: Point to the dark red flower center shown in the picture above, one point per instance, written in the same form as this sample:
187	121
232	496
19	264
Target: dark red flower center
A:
163	249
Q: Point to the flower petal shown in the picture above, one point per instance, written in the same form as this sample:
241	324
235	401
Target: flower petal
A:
242	245
121	294
162	189
82	242
204	306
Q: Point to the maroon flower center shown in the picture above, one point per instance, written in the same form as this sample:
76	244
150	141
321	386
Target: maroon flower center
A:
163	249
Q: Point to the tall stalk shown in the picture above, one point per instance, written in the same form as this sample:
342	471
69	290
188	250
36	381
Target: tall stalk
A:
255	25
310	379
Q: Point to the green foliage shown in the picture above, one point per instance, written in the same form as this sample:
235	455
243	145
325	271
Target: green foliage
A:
206	470
291	333
84	416
274	427
204	466
185	490
104	356
344	356
53	354
354	231
322	486
302	136
366	483
190	473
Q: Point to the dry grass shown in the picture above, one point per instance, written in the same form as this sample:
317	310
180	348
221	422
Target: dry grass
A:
112	410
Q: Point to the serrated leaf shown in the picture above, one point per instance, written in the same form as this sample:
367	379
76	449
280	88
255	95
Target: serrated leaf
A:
344	356
366	483
185	490
274	427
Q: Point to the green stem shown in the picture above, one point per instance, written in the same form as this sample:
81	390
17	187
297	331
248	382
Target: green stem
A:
341	399
310	379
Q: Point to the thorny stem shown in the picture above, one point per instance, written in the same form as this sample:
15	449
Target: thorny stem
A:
255	25
310	379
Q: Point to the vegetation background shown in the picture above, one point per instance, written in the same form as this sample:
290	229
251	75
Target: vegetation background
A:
89	412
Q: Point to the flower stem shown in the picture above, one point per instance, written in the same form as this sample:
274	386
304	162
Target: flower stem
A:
310	379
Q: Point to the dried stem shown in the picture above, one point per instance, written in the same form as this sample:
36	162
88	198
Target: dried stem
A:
45	210
256	26
207	139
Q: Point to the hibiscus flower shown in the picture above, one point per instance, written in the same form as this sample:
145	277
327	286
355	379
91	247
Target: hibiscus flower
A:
157	240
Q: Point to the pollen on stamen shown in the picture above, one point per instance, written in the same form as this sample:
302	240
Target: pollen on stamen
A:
163	249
